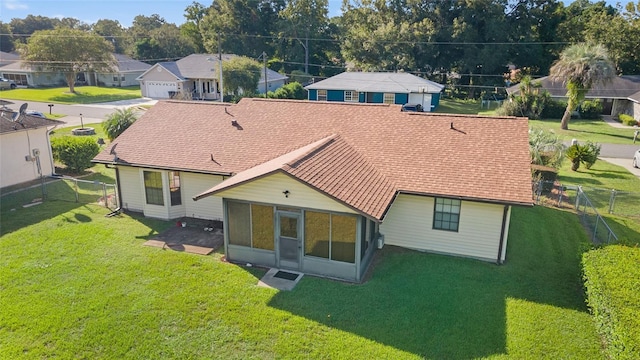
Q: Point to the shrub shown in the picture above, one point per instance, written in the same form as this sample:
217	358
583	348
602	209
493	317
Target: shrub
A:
591	109
530	102
554	109
546	148
292	90
627	120
75	153
586	154
611	279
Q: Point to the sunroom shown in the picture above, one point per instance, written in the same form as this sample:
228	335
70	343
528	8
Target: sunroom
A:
315	210
312	241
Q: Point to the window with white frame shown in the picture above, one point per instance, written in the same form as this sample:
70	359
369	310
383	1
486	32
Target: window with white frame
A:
446	215
322	95
389	98
351	96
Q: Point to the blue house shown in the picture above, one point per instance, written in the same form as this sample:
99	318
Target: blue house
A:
377	87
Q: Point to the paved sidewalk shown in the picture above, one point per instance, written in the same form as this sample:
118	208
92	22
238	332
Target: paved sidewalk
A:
609	120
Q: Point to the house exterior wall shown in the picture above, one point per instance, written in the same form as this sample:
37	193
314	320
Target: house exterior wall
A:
14	146
155	75
269	190
335	95
636	111
401	99
208	208
271	86
312	95
409	224
119	79
131	188
191	184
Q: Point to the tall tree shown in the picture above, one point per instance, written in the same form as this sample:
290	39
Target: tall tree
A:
6	38
579	68
23	28
304	20
113	32
69	51
191	28
241	75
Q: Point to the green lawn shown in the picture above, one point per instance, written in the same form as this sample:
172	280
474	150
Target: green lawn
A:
583	130
83	95
76	284
59	132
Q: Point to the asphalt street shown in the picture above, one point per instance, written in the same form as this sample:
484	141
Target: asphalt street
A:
91	113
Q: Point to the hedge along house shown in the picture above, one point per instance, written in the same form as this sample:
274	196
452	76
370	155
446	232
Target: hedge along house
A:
377	88
317	187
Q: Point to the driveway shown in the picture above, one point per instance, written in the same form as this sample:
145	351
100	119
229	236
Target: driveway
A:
626	163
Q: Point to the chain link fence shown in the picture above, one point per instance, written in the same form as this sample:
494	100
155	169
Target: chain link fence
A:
81	191
589	203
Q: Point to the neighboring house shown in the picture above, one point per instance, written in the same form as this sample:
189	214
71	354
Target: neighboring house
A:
317	186
25	150
377	87
124	73
621	96
196	77
8	58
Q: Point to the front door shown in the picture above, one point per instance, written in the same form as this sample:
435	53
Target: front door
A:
289	240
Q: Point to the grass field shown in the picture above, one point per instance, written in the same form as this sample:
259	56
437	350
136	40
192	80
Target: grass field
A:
76	284
83	94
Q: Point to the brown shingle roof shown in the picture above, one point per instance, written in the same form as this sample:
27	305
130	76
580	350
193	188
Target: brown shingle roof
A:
478	158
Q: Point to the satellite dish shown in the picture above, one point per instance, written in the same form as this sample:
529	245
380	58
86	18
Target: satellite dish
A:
23	108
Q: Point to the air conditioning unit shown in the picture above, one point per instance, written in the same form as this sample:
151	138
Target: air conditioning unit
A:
36	152
380	241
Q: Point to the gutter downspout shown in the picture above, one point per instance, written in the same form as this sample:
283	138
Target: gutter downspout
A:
504	224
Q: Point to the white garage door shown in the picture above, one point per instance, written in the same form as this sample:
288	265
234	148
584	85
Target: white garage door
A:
160	89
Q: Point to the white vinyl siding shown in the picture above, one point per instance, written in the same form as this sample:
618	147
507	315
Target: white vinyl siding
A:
409	224
269	190
130	186
206	208
14	146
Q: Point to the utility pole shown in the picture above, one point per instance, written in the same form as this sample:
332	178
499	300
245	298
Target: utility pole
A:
264	61
220	59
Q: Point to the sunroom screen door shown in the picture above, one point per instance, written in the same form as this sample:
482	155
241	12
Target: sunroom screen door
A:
289	240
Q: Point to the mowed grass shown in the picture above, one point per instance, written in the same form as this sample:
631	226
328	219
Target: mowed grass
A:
597	131
82	95
76	284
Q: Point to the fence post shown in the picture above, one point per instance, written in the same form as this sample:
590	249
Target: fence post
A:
612	200
75	181
578	193
560	194
104	195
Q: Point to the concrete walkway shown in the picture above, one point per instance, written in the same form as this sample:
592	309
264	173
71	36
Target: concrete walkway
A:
609	120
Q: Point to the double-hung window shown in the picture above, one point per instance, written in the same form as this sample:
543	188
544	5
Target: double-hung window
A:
446	215
389	98
351	96
322	95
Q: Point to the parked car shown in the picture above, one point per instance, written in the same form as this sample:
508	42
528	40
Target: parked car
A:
35	113
7	84
412	107
636	159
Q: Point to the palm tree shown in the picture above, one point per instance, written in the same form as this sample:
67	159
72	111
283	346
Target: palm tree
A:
579	68
116	123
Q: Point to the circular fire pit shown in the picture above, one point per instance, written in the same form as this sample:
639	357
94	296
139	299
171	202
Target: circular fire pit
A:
83	131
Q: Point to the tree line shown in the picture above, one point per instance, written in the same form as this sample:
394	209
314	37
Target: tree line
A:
464	43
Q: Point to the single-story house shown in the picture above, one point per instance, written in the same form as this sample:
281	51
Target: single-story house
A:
620	96
125	73
8	58
377	87
196	75
318	186
25	150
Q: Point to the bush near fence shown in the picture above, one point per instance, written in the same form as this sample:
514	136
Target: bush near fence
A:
611	278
